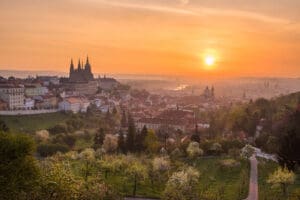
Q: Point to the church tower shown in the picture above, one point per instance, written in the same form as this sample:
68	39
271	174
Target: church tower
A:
71	67
87	65
79	66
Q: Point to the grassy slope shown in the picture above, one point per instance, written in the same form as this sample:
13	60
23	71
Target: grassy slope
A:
31	123
213	181
218	183
266	192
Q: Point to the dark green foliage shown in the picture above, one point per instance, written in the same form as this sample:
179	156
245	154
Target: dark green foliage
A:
289	145
75	123
231	144
195	138
3	126
46	150
18	169
124	120
140	139
69	140
121	143
57	129
131	134
99	138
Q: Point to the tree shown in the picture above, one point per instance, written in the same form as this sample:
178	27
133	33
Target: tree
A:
136	172
216	148
69	140
110	143
18	168
283	178
182	185
59	128
99	138
161	164
57	180
196	136
247	151
88	157
140	139
131	134
46	150
289	149
151	142
3	126
194	150
124	120
121	142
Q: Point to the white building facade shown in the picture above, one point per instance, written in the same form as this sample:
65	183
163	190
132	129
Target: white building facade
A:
13	95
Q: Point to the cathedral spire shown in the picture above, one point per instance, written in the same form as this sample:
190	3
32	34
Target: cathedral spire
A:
87	66
79	65
71	66
87	60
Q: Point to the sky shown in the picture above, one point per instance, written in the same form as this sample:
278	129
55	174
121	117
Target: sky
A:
163	37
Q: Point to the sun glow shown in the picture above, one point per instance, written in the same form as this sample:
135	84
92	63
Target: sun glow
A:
209	60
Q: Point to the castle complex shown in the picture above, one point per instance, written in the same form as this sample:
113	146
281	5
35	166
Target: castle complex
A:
81	80
82	74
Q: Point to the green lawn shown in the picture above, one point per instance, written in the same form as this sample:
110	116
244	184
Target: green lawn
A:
215	182
31	123
266	191
220	183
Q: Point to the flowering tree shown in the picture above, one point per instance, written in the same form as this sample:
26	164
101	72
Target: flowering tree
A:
282	178
194	150
88	156
136	172
247	151
110	143
182	185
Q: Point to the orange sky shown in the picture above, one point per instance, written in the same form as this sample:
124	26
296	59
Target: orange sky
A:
247	37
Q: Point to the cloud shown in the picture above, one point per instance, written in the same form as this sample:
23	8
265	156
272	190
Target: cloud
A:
184	2
196	11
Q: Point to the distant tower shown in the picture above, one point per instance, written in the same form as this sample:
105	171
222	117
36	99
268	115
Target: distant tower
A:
87	65
212	92
71	67
79	65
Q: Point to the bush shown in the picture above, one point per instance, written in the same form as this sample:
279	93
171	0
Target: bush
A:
70	140
42	135
18	169
45	150
230	144
57	129
193	150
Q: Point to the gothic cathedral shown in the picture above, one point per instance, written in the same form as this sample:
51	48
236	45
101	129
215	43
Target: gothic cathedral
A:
83	73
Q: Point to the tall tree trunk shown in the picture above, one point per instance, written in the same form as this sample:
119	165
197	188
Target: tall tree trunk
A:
135	185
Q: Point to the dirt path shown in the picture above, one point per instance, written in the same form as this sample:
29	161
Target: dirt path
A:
253	185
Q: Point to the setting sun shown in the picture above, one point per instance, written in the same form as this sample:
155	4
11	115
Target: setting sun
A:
209	60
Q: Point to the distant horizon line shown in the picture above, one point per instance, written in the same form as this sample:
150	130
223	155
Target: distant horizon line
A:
59	73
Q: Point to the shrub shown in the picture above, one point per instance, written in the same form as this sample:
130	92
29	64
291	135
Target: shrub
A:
42	135
193	150
110	143
70	140
46	150
57	129
182	185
